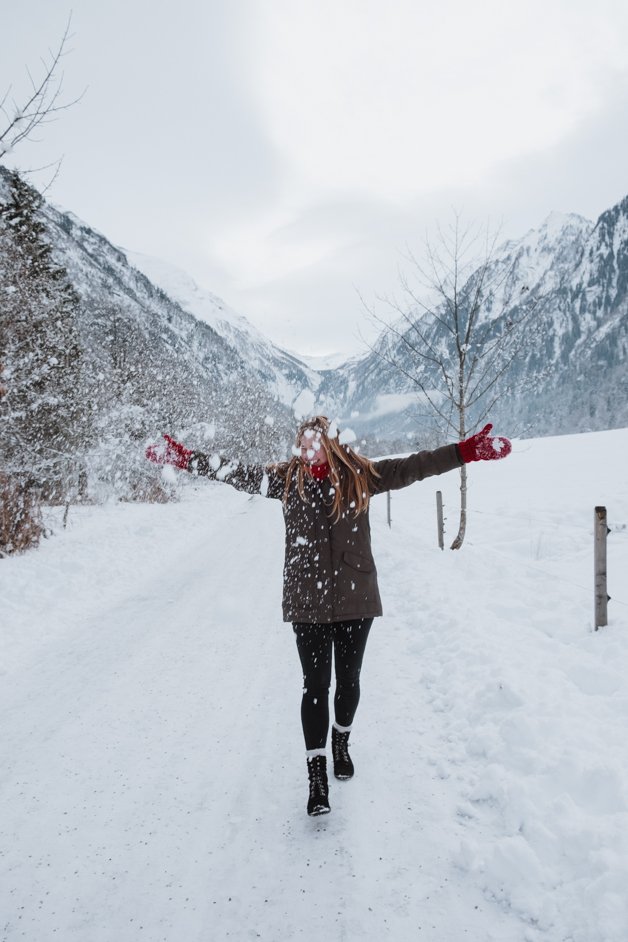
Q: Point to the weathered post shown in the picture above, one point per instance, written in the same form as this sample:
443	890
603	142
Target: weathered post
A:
601	531
388	508
440	519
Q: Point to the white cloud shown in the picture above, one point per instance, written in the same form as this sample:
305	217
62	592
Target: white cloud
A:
402	98
285	153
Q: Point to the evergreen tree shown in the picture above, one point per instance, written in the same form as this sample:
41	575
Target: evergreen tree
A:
42	428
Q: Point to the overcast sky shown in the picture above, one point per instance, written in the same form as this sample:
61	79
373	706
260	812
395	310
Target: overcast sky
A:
285	152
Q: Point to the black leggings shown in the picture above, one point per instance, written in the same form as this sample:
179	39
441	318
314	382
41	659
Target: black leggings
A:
314	644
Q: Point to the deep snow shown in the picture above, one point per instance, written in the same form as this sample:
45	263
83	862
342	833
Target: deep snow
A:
152	773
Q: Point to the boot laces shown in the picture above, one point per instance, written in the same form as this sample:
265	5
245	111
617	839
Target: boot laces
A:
317	773
341	746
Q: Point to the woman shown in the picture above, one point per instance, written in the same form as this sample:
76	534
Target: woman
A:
330	592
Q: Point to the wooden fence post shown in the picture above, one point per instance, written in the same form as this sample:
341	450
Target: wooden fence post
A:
601	531
440	519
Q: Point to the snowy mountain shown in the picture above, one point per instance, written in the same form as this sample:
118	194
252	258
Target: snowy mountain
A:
158	367
214	375
571	374
283	374
575	378
544	264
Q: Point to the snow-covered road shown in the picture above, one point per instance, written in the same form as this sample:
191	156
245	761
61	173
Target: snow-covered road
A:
152	776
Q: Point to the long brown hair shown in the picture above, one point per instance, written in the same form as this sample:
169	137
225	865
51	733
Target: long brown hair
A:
351	475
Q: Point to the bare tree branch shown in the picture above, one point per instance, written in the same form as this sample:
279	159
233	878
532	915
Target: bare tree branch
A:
431	357
464	335
413	379
42	105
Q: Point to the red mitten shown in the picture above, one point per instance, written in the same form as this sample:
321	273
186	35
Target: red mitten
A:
481	447
171	453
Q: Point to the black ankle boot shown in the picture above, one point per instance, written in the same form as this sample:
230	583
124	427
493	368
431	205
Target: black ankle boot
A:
318	802
343	766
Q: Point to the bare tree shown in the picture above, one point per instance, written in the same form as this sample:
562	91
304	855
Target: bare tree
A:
40	105
456	337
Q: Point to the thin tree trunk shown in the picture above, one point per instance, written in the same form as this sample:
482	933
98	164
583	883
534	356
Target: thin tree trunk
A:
457	543
82	484
459	540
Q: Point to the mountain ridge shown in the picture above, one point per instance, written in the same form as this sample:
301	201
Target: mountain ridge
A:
217	370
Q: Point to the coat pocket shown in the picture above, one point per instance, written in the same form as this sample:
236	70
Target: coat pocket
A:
361	563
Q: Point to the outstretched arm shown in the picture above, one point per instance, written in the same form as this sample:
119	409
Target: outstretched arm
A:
395	473
254	479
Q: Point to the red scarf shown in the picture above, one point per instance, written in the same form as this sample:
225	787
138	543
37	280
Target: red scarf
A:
318	471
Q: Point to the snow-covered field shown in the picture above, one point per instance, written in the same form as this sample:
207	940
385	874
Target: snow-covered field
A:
152	774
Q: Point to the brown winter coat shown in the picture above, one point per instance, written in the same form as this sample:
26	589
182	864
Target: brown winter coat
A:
329	572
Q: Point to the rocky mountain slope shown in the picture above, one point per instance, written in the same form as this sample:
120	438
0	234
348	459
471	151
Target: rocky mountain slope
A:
187	362
154	366
570	373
